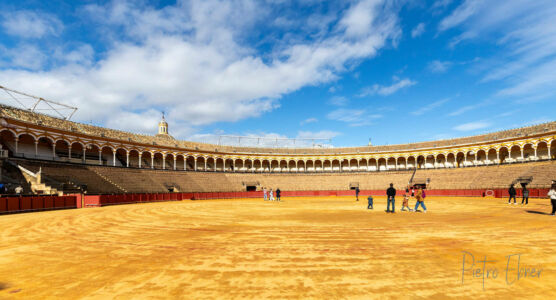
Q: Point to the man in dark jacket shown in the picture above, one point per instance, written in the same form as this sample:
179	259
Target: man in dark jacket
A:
512	193
278	192
391	194
357	194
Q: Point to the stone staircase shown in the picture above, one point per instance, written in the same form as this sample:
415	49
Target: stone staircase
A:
108	180
36	184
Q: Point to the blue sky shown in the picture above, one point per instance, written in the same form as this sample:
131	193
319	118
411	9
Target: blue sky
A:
392	71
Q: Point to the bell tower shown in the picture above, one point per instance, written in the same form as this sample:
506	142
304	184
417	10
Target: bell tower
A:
163	126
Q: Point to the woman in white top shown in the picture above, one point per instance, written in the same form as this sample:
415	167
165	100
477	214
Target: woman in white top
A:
271	195
552	195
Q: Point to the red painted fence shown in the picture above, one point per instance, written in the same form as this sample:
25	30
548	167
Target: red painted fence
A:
36	203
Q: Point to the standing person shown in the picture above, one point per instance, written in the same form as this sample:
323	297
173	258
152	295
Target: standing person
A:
265	195
271	195
420	200
357	194
278	194
552	195
525	195
391	194
370	199
511	192
406	203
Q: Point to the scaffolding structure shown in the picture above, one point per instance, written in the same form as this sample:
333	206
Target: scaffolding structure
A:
36	104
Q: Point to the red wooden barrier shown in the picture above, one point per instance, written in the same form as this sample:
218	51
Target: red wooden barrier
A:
25	203
13	203
3	205
48	202
37	203
58	202
71	201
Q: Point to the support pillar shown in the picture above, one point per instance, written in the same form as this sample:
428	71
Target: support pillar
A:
36	148
163	161
100	157
113	158
127	159
16	145
140	158
152	160
53	151
175	159
83	158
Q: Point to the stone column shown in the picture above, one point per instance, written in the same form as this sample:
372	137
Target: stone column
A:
113	158
100	157
84	159
127	159
152	160
36	148
140	158
54	151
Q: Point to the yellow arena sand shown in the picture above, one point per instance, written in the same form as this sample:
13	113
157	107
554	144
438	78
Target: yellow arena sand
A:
325	248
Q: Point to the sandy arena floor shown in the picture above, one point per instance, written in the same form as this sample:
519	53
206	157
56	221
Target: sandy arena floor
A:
302	248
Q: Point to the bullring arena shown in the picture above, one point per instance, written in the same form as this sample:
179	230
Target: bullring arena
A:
111	214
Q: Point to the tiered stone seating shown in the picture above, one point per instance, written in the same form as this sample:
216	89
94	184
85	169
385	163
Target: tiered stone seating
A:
101	179
64	173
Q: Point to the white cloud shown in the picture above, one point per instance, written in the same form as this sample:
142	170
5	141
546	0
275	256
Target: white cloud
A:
418	30
429	107
192	61
308	121
437	66
460	14
524	32
472	126
354	117
387	90
338	101
441	4
307	139
30	24
323	134
25	56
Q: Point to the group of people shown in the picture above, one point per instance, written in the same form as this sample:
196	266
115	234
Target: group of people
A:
525	195
391	199
269	194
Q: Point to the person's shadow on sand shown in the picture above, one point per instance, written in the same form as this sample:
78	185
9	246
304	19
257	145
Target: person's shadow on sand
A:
537	212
